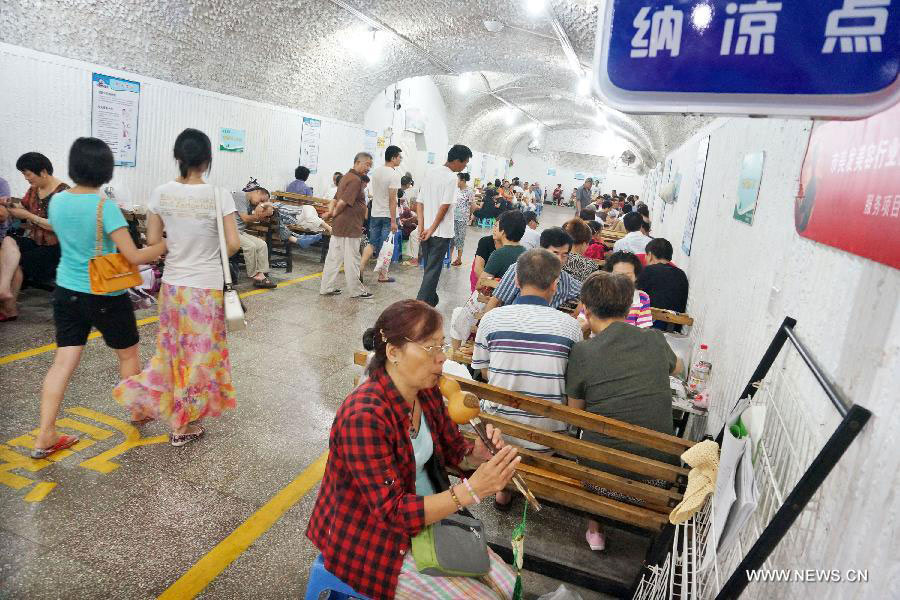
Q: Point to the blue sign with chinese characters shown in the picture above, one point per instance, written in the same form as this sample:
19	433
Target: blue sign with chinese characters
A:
817	58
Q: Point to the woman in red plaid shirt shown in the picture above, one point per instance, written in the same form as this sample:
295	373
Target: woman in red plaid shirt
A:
390	444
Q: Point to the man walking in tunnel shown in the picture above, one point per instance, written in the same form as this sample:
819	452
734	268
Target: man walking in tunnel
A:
437	194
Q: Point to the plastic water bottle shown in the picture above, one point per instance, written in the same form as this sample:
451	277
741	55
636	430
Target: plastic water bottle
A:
700	368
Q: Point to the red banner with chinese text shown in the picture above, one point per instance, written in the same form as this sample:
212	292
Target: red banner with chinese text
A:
849	194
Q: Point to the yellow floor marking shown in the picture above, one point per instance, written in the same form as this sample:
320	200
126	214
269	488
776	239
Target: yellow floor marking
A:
95	432
16	482
216	560
8	358
21	461
39	492
133	439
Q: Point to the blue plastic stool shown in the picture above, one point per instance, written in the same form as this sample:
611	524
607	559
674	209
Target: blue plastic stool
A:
321	580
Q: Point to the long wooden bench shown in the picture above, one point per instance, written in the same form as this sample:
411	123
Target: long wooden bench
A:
671	317
561	479
268	229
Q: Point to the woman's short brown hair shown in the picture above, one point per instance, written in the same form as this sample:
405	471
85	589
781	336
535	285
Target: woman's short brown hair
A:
399	323
607	296
579	230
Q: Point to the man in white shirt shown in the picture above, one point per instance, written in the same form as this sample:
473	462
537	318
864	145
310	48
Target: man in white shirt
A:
383	215
634	241
437	194
531	239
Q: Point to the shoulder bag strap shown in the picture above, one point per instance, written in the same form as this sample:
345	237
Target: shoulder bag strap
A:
223	249
98	248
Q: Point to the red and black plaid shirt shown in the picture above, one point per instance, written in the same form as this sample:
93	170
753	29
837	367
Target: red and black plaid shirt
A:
367	509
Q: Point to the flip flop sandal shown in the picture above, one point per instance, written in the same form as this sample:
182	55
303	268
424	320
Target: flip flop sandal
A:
180	439
64	441
4	318
139	422
266	284
388	280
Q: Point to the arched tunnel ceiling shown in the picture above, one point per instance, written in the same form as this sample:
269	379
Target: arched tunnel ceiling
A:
301	55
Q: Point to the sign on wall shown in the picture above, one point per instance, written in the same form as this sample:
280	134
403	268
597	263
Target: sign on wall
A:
551	172
370	144
232	140
579	176
748	187
309	144
834	58
699	171
849	194
430	158
114	116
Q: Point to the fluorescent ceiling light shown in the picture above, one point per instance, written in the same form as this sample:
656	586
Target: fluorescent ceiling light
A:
535	7
584	86
510	115
462	83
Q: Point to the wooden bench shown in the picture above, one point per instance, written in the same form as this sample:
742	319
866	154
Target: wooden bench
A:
671	318
561	479
321	206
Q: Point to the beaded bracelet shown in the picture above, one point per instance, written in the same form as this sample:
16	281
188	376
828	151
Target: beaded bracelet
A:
471	491
453	495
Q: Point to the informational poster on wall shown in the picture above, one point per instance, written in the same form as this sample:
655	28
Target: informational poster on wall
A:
849	194
579	176
232	140
430	158
370	143
699	171
748	187
309	144
114	116
551	172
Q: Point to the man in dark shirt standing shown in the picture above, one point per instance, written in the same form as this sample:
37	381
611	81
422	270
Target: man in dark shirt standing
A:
666	284
583	196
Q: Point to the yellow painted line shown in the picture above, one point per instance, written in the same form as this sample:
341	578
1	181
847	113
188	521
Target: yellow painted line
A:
216	560
102	463
39	492
8	358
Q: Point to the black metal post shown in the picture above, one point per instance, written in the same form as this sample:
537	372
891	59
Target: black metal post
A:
796	501
839	403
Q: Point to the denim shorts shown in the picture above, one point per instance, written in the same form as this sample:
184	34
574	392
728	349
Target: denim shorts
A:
379	230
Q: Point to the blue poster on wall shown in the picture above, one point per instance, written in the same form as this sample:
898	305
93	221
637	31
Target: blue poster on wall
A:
431	158
748	187
551	172
115	104
579	176
232	140
837	58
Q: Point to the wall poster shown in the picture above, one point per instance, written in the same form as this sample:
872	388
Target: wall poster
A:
114	116
699	171
370	143
748	187
232	140
431	158
309	144
849	194
551	172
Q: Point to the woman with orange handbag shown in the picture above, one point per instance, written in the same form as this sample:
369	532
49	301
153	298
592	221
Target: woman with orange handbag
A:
89	229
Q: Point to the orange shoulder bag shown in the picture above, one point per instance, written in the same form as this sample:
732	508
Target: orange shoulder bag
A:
110	272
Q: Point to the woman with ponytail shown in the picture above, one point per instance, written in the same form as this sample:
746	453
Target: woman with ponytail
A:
189	377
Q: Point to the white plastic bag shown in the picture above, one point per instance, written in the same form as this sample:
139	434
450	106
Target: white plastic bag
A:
561	593
385	255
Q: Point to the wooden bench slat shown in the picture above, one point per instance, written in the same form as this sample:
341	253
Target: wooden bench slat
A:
670	316
544	485
580	418
656	498
609	456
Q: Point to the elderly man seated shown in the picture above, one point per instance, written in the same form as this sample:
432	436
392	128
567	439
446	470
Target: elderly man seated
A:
524	347
253	206
621	372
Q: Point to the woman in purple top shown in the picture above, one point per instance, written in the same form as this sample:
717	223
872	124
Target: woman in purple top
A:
299	186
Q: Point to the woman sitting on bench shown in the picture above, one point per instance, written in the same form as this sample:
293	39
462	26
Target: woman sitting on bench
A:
386	479
622	372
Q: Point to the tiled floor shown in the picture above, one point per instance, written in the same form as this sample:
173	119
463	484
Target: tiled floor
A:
133	531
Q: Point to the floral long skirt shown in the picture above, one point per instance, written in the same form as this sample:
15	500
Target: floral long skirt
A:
189	377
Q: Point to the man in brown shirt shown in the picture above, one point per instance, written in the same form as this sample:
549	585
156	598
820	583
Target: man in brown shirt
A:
348	213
